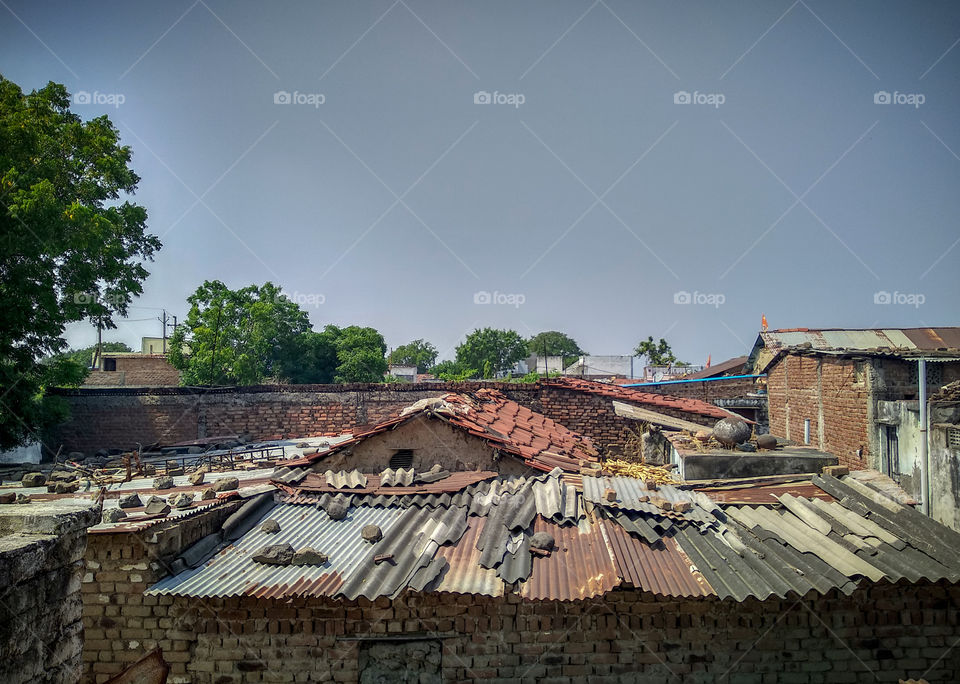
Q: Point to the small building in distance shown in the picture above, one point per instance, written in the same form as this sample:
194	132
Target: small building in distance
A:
148	367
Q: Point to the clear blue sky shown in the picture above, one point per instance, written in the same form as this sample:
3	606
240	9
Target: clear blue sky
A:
783	188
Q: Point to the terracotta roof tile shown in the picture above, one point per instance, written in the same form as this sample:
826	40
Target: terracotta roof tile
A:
632	395
514	429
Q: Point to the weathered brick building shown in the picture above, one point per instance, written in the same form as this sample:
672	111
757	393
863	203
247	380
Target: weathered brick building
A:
628	590
133	369
855	393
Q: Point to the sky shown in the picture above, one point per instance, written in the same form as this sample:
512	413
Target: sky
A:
613	170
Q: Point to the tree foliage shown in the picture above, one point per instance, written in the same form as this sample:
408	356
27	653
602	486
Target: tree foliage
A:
554	343
453	371
657	353
237	337
492	351
418	353
360	355
70	249
84	356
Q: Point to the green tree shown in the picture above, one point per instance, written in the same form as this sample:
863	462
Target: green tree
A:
84	355
314	360
418	353
360	355
70	249
237	337
657	353
554	343
495	351
453	371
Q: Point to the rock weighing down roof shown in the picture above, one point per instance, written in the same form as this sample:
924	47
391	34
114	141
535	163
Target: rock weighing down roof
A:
486	537
506	425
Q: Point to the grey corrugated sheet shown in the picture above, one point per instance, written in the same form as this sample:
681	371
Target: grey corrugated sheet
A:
413	542
911	340
232	573
630	490
400	476
757	568
345	480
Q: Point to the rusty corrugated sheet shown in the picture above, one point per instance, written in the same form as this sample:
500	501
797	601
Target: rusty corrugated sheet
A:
580	566
660	568
764	494
464	574
911	340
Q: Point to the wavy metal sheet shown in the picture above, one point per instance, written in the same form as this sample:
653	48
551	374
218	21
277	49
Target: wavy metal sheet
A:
233	573
464	575
345	480
400	476
660	568
630	491
580	566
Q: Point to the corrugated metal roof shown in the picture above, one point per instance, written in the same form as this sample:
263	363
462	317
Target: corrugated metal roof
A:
659	567
633	495
345	480
763	494
910	341
478	541
464	574
580	566
232	572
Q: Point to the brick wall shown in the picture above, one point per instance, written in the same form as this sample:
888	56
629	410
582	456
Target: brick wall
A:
121	624
881	633
705	390
120	418
595	417
833	393
137	371
41	563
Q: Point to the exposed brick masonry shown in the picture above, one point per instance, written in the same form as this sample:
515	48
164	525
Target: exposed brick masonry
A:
883	633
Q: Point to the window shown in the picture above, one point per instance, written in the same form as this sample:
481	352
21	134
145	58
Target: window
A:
109	364
891	451
402	458
934	374
953	438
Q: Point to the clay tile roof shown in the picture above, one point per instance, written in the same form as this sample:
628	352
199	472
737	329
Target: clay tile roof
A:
541	442
632	395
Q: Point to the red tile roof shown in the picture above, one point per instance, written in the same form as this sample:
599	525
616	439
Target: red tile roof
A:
506	425
632	395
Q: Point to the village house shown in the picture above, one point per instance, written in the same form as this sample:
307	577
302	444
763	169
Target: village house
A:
148	367
466	536
867	396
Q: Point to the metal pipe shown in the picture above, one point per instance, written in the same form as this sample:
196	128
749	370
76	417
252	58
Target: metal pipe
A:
806	430
924	466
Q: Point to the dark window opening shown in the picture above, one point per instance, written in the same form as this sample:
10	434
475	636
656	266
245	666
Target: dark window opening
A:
109	364
402	458
891	452
953	438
